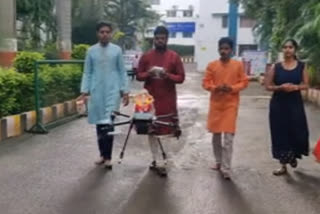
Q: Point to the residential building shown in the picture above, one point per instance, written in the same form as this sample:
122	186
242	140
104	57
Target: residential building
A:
180	18
212	24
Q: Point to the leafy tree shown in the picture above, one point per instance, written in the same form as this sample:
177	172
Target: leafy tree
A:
36	17
129	17
281	19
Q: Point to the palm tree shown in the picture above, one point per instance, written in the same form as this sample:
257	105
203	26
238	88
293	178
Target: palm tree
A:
64	12
8	42
280	19
35	18
309	38
128	16
85	15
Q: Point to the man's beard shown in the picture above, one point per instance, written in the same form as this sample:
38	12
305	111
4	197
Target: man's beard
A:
161	48
104	42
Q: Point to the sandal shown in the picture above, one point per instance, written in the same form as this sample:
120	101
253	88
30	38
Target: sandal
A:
294	163
282	171
153	165
162	171
226	175
108	164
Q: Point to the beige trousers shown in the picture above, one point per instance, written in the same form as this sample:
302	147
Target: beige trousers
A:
156	150
223	150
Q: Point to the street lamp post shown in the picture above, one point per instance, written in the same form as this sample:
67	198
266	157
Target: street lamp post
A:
233	23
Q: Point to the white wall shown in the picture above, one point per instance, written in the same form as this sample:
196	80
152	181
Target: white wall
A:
246	36
209	30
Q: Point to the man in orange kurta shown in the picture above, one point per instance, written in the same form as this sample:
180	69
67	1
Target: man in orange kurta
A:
224	78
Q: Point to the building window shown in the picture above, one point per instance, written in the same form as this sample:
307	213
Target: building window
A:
187	13
225	21
243	48
246	22
149	31
171	13
187	34
155	2
173	35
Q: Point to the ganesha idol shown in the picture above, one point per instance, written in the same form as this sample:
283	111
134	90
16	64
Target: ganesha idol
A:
143	102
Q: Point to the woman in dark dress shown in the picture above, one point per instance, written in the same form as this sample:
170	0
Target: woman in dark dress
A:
288	123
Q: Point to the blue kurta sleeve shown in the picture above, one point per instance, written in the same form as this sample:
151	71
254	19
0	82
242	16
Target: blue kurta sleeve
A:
123	74
87	74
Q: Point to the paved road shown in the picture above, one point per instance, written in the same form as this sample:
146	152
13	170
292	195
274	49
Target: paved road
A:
54	173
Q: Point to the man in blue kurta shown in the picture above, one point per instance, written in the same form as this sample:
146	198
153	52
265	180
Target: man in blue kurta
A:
104	83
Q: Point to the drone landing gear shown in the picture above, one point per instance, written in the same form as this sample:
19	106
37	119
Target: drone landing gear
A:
160	170
126	142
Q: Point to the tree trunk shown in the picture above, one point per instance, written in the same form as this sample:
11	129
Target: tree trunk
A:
8	40
64	28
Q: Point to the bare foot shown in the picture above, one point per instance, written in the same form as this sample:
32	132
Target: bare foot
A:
294	163
226	175
153	165
216	167
162	171
100	161
281	171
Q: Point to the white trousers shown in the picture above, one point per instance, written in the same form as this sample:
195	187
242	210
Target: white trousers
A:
156	150
223	150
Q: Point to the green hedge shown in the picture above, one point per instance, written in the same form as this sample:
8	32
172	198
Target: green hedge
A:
182	50
24	62
57	84
51	51
13	87
314	76
79	51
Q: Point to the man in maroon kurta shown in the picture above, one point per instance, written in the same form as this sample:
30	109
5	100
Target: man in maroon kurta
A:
161	69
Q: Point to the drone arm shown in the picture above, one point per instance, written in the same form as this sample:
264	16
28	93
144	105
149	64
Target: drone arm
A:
166	116
116	113
164	123
122	123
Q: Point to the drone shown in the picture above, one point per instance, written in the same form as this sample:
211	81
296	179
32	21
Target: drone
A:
145	122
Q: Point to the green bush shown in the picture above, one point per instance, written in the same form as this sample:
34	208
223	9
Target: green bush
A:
314	76
79	51
10	92
57	84
51	51
182	50
24	62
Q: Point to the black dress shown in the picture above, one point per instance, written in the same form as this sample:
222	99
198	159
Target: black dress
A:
288	122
